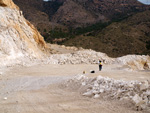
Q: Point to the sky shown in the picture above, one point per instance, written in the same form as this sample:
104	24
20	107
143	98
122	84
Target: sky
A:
142	1
46	0
145	1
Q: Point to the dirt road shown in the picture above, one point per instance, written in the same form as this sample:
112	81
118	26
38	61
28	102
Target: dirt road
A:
38	89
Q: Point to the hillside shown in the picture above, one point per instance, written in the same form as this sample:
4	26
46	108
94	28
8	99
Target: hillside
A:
59	21
33	12
18	37
32	9
69	80
129	36
77	13
73	14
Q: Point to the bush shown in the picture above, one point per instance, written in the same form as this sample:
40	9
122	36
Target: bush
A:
148	44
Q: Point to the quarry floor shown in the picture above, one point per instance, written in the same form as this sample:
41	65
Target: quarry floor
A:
38	89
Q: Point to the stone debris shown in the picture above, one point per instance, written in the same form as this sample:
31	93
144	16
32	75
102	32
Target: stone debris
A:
5	98
80	57
135	62
138	92
132	62
85	56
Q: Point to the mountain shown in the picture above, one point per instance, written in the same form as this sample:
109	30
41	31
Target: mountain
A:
18	37
91	24
77	13
129	36
33	12
73	14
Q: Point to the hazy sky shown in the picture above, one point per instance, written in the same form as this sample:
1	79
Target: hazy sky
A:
143	1
46	0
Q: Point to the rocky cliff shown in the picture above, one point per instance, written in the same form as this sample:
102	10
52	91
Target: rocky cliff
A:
18	38
8	3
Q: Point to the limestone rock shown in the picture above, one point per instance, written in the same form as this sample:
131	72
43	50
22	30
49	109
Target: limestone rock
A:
137	100
138	92
18	37
8	3
135	62
5	98
96	96
144	86
88	94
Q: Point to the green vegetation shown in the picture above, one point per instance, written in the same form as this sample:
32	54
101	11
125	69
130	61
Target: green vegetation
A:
148	45
45	30
59	33
92	29
129	35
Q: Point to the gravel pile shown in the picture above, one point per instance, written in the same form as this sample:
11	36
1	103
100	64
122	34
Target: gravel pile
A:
80	57
133	91
134	62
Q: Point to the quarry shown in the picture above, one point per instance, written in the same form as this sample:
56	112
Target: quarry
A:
36	77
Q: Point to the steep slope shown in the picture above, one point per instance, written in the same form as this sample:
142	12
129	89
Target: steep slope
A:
130	36
33	12
51	7
18	38
32	9
75	15
79	13
112	8
8	3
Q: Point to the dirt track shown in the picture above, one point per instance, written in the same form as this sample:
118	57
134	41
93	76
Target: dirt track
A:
37	89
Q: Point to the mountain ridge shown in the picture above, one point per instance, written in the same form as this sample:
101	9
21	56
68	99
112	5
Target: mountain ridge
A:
129	36
78	13
82	27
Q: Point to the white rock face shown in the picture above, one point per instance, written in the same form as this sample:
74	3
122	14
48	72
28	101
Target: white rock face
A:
135	62
18	38
138	92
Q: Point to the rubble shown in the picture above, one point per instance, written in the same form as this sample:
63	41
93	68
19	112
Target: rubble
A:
80	57
5	98
104	87
85	56
135	62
